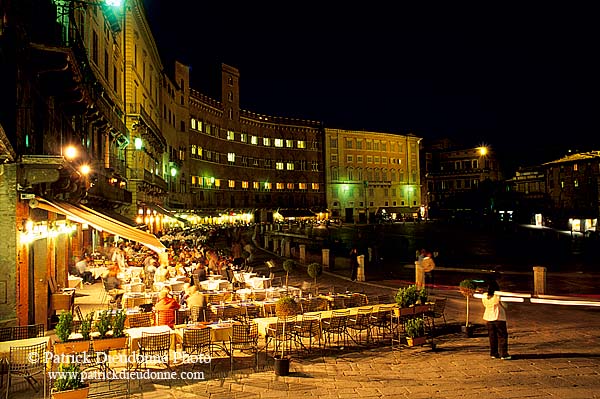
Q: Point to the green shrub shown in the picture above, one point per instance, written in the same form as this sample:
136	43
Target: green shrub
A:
409	296
64	326
69	377
415	327
103	324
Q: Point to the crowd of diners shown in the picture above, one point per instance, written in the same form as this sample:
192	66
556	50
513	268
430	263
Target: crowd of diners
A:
193	256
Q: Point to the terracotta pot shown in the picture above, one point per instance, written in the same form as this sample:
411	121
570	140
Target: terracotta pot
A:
80	393
416	341
106	344
71	347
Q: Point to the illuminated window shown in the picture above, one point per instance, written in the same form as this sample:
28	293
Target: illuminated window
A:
279	165
302	186
289	143
199	152
290	166
376	159
290	186
231	183
278	142
193	123
194	148
301	144
256	185
194	181
268	185
333	143
359	144
576	183
244	184
376	145
267	141
279	186
369	159
230	135
244	138
384	160
254	140
348	143
217	182
199	126
315	186
369	145
231	157
575	168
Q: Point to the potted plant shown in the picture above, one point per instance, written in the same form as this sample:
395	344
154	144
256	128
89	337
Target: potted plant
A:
86	325
288	266
68	384
63	330
467	288
116	322
414	329
286	306
315	270
103	324
407	298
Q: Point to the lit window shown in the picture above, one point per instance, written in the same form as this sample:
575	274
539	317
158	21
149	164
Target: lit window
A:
376	159
575	168
315	186
266	141
230	135
231	183
384	160
268	185
193	123
279	186
576	183
200	126
290	186
244	184
279	165
289	143
278	142
302	186
254	140
199	152
358	144
231	157
301	144
348	143
217	182
290	166
194	181
369	159
244	138
256	185
194	147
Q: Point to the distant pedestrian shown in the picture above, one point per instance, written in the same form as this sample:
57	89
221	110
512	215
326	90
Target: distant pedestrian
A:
495	316
354	263
428	266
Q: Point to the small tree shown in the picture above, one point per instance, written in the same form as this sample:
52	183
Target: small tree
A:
285	306
86	325
315	270
467	288
288	266
64	327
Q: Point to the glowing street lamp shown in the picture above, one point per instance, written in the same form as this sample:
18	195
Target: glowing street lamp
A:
70	152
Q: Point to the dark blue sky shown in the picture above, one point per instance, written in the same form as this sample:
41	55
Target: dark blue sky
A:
523	80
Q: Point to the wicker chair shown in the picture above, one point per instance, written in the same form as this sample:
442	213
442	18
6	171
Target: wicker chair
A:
308	328
359	322
197	342
244	337
27	362
143	319
155	346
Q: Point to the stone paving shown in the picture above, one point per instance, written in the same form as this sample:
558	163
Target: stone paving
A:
555	349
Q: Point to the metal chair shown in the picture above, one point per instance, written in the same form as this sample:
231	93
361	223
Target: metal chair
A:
143	319
308	328
436	312
197	342
165	317
155	346
5	334
27	362
336	326
23	332
196	314
244	337
281	334
359	322
381	320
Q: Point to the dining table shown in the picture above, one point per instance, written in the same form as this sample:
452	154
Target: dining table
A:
6	345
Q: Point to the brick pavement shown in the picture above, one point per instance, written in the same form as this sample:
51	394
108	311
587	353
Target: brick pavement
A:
555	349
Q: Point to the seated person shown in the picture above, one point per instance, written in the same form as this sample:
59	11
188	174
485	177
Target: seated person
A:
82	270
184	295
200	272
114	286
166	303
196	299
160	276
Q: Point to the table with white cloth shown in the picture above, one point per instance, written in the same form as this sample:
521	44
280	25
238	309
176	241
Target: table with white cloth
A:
135	334
98	272
258	282
214	285
220	332
75	282
6	345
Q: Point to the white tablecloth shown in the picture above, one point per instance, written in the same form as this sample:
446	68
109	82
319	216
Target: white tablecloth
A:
258	282
214	285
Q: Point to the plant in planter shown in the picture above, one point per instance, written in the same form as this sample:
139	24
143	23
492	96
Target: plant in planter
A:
407	296
288	266
63	330
286	306
117	340
415	331
118	324
467	288
103	324
64	327
315	270
69	384
86	325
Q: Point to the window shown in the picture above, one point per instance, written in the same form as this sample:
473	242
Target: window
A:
384	146
194	148
302	164
268	185
289	166
230	96
576	182
301	144
279	143
182	126
333	143
358	144
369	159
376	145
245	161
267	141
231	157
279	165
289	143
349	158
315	186
348	143
255	185
95	47
315	166
334	158
279	186
217	182
302	186
359	159
369	145
376	159
245	184
384	160
350	174
290	186
254	140
231	183
230	135
193	124
334	174
575	169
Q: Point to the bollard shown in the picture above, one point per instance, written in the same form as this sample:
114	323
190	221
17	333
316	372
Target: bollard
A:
360	274
266	238
539	280
325	252
419	276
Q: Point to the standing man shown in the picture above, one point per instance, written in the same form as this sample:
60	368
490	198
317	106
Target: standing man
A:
428	266
354	263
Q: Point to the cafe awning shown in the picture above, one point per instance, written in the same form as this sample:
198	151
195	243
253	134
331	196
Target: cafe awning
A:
82	214
166	212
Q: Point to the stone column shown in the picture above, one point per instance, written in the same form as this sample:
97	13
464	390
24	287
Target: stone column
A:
266	242
360	275
325	254
539	280
302	253
419	276
286	250
276	245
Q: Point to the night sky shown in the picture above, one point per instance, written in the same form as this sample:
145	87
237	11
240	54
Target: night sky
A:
524	80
